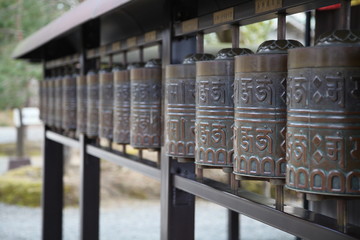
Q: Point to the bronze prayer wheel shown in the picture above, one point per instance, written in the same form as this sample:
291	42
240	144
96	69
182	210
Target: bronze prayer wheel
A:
121	106
260	110
215	109
43	99
50	118
106	103
92	125
81	104
180	106
145	113
69	102
323	129
58	102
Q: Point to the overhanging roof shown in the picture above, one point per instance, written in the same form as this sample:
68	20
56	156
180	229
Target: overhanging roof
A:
86	11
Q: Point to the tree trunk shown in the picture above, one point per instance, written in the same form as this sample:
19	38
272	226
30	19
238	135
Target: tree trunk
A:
20	136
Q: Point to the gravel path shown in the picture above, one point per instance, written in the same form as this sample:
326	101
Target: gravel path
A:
130	221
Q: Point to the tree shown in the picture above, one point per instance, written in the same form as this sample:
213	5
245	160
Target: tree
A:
19	19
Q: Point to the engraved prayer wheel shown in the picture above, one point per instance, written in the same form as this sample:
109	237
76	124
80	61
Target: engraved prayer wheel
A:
51	103
215	109
323	129
81	104
180	106
92	125
260	110
58	117
41	97
121	106
69	102
106	103
145	113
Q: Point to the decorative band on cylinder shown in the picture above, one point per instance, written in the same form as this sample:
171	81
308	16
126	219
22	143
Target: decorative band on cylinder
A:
106	102
92	126
145	113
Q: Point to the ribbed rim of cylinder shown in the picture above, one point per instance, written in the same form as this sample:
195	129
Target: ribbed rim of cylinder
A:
145	73
122	76
324	56
215	67
180	71
261	63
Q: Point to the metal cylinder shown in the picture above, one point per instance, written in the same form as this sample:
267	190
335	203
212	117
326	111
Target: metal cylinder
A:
106	102
323	129
81	104
260	110
58	117
215	109
180	106
69	102
92	125
42	99
145	113
121	106
50	119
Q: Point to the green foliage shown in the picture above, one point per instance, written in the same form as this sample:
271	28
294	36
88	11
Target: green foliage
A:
19	19
253	35
23	186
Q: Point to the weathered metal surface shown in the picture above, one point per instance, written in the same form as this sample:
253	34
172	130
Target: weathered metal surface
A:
106	103
180	106
58	102
121	106
260	110
215	110
92	126
145	113
81	104
323	129
69	102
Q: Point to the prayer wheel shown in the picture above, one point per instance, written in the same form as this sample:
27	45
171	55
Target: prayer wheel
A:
42	99
323	129
106	102
69	102
121	106
215	109
92	125
145	112
260	110
50	118
180	106
58	117
81	104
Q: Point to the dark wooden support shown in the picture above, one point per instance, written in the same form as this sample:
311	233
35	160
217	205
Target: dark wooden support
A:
52	198
89	192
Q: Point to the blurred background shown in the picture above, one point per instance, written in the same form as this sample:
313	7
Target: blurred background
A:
123	192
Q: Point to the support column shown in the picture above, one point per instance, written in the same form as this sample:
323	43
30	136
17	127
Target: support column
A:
89	192
177	206
52	195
